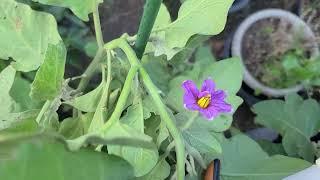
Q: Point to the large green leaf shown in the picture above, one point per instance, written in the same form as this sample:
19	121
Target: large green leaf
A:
143	160
243	159
52	161
25	34
295	119
80	8
159	172
198	136
49	78
6	80
205	17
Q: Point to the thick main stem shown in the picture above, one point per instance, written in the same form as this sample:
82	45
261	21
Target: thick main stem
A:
149	16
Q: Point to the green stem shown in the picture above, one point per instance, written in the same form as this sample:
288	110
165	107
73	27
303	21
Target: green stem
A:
97	121
122	98
90	71
180	149
109	78
44	109
190	121
149	16
97	26
94	65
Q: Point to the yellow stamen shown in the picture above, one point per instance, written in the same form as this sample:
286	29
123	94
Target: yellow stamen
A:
204	101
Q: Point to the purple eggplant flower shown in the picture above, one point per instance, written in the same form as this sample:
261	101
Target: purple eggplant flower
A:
208	101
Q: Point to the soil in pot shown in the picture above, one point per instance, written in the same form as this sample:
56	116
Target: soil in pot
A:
270	47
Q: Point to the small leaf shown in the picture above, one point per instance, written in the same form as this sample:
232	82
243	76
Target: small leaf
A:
89	101
15	120
25	35
72	128
143	160
6	81
20	93
49	78
117	134
46	159
80	9
91	48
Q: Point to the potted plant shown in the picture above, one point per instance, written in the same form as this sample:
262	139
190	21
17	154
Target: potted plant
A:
278	52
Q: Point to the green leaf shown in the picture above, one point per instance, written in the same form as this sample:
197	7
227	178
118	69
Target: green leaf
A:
204	54
271	148
50	160
14	121
91	48
184	55
158	71
198	136
79	8
227	74
72	128
50	76
142	160
243	159
158	44
89	101
20	93
295	119
28	31
195	17
118	134
159	172
6	82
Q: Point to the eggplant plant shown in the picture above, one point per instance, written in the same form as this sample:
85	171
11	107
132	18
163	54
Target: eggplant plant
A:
146	119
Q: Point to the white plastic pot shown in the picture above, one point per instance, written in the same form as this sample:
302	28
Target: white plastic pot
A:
236	48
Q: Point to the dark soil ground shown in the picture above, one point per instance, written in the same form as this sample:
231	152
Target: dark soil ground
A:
118	17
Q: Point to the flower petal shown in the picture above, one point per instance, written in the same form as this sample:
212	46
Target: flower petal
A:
203	93
218	95
193	107
221	106
209	113
190	92
208	85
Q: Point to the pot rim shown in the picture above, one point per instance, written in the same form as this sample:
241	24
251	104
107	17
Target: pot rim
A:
236	47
